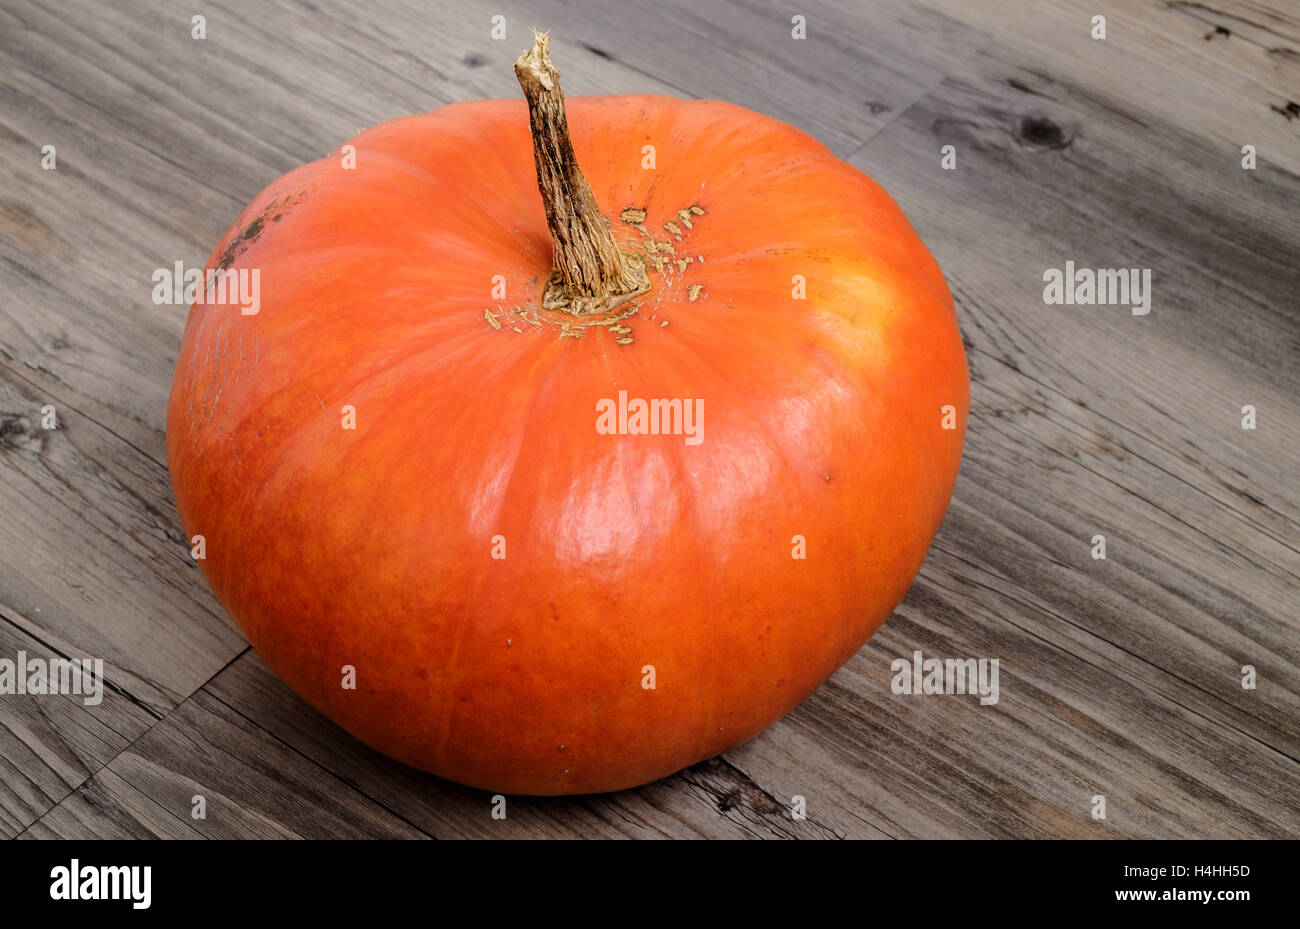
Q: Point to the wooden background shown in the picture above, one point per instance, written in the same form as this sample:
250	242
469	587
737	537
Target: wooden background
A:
1119	677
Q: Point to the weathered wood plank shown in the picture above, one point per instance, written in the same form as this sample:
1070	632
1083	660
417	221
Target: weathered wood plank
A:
1091	420
95	562
50	744
270	765
1119	677
253	785
1163	58
860	64
94	567
708	800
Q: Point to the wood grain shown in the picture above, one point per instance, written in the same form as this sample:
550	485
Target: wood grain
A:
1119	677
1166	57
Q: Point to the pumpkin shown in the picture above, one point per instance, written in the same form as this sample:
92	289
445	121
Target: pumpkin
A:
427	471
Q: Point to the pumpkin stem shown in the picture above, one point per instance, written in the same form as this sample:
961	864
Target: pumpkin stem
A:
591	275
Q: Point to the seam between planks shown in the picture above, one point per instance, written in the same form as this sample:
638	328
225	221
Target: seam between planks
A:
76	787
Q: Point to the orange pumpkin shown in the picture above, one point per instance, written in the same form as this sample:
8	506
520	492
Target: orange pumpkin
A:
403	469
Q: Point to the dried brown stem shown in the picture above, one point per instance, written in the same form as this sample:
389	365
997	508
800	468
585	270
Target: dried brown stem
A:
591	275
